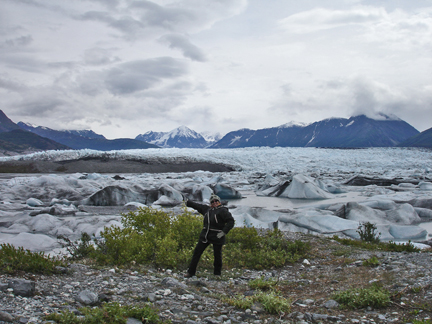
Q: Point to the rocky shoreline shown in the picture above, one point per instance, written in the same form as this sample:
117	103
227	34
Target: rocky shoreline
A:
308	284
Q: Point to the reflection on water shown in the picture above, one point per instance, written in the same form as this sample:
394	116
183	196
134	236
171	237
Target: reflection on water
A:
275	203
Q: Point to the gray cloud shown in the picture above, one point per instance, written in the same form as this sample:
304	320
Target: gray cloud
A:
41	103
99	56
164	17
8	83
323	18
182	43
146	18
17	42
140	75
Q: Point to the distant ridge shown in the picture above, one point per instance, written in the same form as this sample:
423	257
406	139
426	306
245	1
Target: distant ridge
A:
6	124
424	139
358	131
14	140
85	139
21	141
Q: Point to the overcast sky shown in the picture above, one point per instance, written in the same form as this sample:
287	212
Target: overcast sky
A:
122	68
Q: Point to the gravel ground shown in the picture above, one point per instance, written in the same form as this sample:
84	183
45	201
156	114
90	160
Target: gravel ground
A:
308	284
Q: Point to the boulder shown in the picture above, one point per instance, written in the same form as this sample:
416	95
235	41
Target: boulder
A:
390	232
87	297
166	201
119	195
425	186
172	282
382	204
16	229
198	192
116	196
362	214
304	187
255	217
367	181
403	214
405	233
275	190
382	232
424	213
22	287
32	242
43	223
56	201
320	223
225	192
171	193
421	202
63	210
6	317
33	202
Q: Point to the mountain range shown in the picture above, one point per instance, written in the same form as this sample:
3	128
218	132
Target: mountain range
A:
354	132
358	131
76	139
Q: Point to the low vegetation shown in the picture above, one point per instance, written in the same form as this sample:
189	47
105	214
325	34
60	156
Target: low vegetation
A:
370	240
272	302
13	260
373	296
154	237
108	313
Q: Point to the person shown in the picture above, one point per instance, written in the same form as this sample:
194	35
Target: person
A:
218	221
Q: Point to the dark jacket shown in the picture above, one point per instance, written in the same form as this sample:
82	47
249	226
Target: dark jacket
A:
215	220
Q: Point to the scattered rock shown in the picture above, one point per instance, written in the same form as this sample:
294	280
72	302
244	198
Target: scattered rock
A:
88	297
22	287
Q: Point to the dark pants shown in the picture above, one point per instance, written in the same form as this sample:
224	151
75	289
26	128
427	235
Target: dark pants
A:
199	249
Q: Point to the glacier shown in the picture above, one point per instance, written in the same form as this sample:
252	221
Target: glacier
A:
293	189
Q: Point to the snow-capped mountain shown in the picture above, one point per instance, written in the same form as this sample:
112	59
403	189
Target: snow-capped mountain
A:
358	131
86	133
181	137
211	138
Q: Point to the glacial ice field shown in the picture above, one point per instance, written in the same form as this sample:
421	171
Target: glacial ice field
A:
294	189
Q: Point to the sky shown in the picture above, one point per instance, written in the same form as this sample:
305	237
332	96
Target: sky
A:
125	67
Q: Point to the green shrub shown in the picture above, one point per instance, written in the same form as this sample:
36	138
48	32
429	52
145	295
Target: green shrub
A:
151	236
239	301
272	303
14	259
404	247
246	248
79	249
262	284
371	262
384	246
367	232
373	296
110	313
